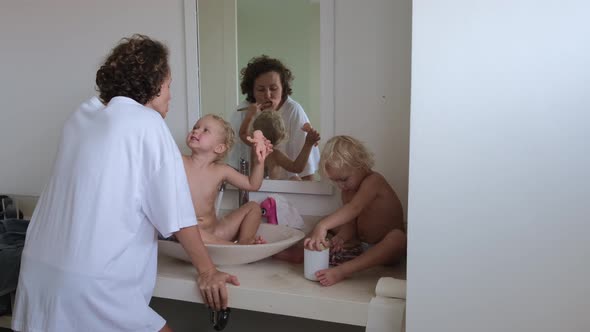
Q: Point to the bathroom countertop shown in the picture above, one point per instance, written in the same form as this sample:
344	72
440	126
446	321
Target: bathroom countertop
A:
278	287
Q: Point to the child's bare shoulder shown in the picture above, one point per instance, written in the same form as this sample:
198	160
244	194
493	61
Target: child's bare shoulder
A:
375	178
223	169
185	158
219	168
377	182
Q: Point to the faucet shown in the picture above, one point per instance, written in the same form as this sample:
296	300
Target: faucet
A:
219	199
243	196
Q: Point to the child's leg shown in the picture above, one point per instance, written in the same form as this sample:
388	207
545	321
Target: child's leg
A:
241	224
210	238
389	250
347	233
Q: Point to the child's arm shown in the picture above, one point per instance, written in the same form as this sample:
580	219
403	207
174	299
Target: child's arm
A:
250	183
344	234
364	196
298	165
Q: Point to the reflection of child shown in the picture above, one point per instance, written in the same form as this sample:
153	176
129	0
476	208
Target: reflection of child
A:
272	126
209	141
371	211
308	128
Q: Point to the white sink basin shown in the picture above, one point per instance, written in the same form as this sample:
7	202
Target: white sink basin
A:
278	238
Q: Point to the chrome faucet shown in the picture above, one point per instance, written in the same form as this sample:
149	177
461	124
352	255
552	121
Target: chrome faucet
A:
243	195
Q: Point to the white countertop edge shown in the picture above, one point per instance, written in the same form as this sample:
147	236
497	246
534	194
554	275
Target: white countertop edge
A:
337	311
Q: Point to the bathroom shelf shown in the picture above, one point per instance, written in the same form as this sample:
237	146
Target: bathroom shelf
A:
278	287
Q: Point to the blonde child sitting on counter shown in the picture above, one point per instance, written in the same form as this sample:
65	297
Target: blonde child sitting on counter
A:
371	214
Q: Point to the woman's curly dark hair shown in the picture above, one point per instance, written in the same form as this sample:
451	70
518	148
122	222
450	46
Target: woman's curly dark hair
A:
262	65
136	68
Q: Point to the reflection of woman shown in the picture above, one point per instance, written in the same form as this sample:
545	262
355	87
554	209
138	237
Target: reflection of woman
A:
89	261
267	85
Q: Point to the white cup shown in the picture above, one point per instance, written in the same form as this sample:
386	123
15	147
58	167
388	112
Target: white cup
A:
315	261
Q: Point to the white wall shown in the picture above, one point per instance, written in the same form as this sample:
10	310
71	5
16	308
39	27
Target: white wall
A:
499	166
50	53
373	49
218	56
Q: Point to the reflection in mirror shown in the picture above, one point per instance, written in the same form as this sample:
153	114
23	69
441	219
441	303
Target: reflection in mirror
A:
234	32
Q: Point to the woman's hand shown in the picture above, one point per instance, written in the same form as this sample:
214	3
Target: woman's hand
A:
213	288
317	241
255	108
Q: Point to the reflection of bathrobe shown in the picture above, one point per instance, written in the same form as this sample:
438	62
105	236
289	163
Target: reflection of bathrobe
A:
294	117
89	262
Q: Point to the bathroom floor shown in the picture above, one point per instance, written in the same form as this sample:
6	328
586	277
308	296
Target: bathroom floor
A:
189	317
185	316
5	323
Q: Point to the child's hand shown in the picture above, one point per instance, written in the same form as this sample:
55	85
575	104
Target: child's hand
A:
317	240
268	148
337	244
312	135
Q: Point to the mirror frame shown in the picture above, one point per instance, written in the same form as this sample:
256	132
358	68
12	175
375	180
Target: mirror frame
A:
326	89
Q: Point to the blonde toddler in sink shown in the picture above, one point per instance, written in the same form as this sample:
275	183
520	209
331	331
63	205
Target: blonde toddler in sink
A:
371	212
210	140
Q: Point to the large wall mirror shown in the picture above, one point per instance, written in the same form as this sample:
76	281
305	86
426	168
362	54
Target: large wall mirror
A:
300	33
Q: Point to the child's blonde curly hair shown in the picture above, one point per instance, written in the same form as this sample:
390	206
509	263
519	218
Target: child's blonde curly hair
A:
229	135
272	126
345	151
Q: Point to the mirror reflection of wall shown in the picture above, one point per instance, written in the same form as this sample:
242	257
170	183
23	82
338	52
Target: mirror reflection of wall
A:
232	32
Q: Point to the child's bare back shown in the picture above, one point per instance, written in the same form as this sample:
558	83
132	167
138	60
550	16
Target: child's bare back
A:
380	216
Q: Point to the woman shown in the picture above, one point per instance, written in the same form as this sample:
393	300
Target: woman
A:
266	82
89	261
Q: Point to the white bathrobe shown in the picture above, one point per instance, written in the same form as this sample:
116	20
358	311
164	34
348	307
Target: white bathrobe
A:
89	262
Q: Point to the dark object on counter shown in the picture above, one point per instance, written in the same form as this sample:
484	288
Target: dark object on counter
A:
12	241
219	318
9	208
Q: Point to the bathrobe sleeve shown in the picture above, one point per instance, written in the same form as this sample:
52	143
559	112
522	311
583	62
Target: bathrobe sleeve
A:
167	198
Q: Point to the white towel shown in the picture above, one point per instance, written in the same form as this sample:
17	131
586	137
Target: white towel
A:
287	214
390	287
385	315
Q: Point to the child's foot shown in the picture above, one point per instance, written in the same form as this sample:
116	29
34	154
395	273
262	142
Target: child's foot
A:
329	277
259	240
